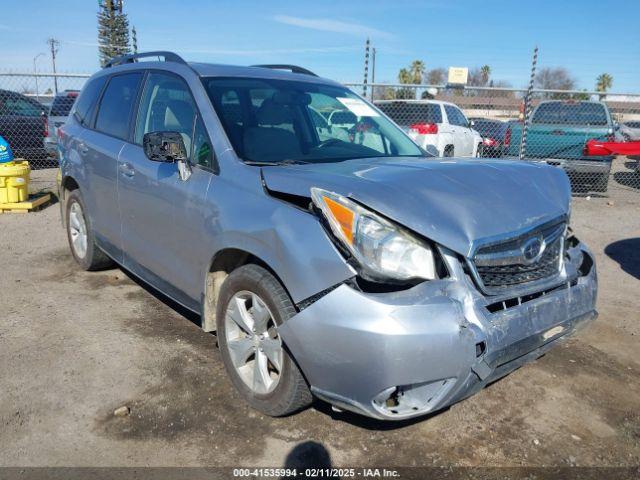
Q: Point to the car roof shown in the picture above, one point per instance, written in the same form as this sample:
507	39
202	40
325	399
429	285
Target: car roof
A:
571	101
220	70
482	119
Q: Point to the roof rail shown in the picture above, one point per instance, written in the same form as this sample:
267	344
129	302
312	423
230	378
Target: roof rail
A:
168	57
291	68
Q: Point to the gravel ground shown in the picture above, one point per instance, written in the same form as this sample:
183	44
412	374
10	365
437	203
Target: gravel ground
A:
74	346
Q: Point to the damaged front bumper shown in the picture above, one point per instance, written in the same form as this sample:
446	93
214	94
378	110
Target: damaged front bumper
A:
403	354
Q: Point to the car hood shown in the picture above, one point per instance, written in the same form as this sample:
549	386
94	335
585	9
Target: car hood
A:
454	202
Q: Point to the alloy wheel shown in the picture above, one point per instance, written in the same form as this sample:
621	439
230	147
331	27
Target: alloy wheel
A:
253	342
78	230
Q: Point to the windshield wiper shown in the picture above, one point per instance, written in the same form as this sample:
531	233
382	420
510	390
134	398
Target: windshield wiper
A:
288	161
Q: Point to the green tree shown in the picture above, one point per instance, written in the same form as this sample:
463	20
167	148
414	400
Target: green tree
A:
405	76
113	30
417	71
485	73
603	83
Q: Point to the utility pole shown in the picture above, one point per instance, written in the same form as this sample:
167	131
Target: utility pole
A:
366	68
53	44
373	72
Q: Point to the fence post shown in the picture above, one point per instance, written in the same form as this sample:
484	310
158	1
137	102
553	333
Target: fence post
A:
527	105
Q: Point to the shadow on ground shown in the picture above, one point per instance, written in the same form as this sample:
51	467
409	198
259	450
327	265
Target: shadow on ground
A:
627	253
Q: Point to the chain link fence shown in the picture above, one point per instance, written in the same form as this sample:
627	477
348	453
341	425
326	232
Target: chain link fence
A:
462	122
490	122
32	107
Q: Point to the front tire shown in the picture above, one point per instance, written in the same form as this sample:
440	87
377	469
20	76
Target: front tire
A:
251	305
80	235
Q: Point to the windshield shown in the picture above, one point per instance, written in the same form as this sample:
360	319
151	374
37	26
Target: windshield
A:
565	113
488	128
275	121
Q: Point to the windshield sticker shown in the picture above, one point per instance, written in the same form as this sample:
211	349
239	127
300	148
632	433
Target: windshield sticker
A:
358	107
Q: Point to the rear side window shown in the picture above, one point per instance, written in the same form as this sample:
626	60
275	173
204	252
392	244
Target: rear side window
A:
411	113
62	104
571	113
117	103
83	109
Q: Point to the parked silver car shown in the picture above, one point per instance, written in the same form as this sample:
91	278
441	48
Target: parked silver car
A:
58	112
630	131
350	268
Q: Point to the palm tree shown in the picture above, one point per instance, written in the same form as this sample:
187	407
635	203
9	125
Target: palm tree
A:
485	72
603	83
417	70
405	77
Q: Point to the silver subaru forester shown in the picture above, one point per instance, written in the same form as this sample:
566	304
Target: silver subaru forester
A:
333	259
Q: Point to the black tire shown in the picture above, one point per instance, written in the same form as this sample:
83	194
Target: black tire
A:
448	151
94	258
291	393
602	183
480	151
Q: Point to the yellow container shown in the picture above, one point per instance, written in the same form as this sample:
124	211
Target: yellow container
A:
14	181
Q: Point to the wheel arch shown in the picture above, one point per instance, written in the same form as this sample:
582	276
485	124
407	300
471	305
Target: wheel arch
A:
223	262
67	184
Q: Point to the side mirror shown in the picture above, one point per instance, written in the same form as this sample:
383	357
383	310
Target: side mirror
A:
164	147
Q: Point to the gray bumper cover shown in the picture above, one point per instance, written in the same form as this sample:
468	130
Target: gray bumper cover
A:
353	346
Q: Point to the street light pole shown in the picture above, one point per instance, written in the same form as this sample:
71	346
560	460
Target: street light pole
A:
35	74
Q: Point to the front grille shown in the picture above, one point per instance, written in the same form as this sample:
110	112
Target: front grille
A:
508	263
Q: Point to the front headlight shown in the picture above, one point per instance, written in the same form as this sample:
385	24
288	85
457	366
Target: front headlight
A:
383	250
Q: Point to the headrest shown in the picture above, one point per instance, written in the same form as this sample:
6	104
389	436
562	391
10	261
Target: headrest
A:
272	113
179	115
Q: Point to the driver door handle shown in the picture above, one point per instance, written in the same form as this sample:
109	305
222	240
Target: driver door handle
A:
127	170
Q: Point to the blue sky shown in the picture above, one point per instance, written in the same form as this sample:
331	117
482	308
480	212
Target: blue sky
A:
587	37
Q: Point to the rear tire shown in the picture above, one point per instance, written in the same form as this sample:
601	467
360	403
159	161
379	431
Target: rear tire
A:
251	304
480	151
80	235
602	183
448	151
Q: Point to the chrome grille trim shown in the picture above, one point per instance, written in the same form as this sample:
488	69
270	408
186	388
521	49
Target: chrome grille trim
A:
524	259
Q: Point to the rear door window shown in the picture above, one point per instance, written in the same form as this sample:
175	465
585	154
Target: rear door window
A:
117	104
83	108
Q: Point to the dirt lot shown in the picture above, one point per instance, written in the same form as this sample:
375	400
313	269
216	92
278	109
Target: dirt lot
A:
74	346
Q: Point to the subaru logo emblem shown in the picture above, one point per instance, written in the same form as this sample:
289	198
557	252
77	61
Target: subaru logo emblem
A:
532	249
